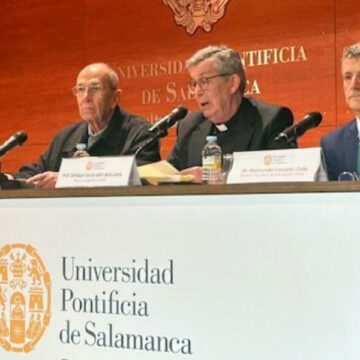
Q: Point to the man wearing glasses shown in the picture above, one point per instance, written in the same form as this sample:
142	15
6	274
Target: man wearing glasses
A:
105	128
240	123
342	146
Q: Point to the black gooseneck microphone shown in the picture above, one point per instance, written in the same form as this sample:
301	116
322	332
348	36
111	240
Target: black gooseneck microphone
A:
161	127
290	134
169	120
13	141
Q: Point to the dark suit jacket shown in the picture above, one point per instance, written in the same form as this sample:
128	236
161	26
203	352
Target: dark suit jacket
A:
258	125
124	134
340	149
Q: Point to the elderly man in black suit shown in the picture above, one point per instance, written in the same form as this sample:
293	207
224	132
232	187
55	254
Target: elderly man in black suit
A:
105	128
240	123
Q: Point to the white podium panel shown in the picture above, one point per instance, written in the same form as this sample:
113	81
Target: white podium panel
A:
253	277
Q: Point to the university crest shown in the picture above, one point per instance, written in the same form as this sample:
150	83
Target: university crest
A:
197	13
25	298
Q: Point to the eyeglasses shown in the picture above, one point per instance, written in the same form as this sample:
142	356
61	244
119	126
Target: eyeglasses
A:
203	82
94	89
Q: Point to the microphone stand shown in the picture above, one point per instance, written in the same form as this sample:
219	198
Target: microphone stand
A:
13	184
292	142
154	137
6	184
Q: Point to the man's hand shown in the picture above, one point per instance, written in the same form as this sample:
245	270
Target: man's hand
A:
196	171
46	180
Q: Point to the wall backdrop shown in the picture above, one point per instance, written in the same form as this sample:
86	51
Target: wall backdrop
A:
291	50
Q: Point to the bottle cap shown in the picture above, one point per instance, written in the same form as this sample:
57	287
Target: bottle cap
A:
211	138
81	146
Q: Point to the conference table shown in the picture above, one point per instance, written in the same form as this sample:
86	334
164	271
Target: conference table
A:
250	271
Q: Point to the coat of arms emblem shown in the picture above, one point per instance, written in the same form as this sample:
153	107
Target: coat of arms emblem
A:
197	13
24	298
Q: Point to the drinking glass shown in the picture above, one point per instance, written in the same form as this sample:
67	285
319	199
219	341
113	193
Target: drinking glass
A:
227	163
348	176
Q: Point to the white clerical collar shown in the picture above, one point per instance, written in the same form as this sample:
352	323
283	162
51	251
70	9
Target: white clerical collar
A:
222	127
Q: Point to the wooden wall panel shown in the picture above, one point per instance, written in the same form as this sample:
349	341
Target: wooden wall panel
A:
41	52
44	44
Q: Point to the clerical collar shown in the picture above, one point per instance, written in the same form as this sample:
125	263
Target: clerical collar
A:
230	124
221	127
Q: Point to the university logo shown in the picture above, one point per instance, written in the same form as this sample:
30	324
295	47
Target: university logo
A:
268	160
89	165
25	298
197	13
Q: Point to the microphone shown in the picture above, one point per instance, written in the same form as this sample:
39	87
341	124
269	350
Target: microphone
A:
13	141
169	120
159	129
311	120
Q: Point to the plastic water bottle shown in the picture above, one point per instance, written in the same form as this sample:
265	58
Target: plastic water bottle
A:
211	162
80	151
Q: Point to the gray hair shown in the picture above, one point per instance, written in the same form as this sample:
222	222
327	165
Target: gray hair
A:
352	51
227	61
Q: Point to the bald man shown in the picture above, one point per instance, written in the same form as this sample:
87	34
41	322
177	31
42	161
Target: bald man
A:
105	128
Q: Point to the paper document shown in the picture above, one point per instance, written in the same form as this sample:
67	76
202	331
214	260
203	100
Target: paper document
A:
163	172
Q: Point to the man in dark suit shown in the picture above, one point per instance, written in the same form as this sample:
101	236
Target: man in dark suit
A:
341	146
240	123
105	128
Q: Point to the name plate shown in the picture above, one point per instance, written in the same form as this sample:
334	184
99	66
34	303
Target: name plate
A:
98	171
277	166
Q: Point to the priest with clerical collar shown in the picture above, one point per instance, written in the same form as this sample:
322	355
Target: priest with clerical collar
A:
241	123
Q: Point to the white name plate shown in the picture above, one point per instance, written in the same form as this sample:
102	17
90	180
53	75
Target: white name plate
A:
98	171
277	166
